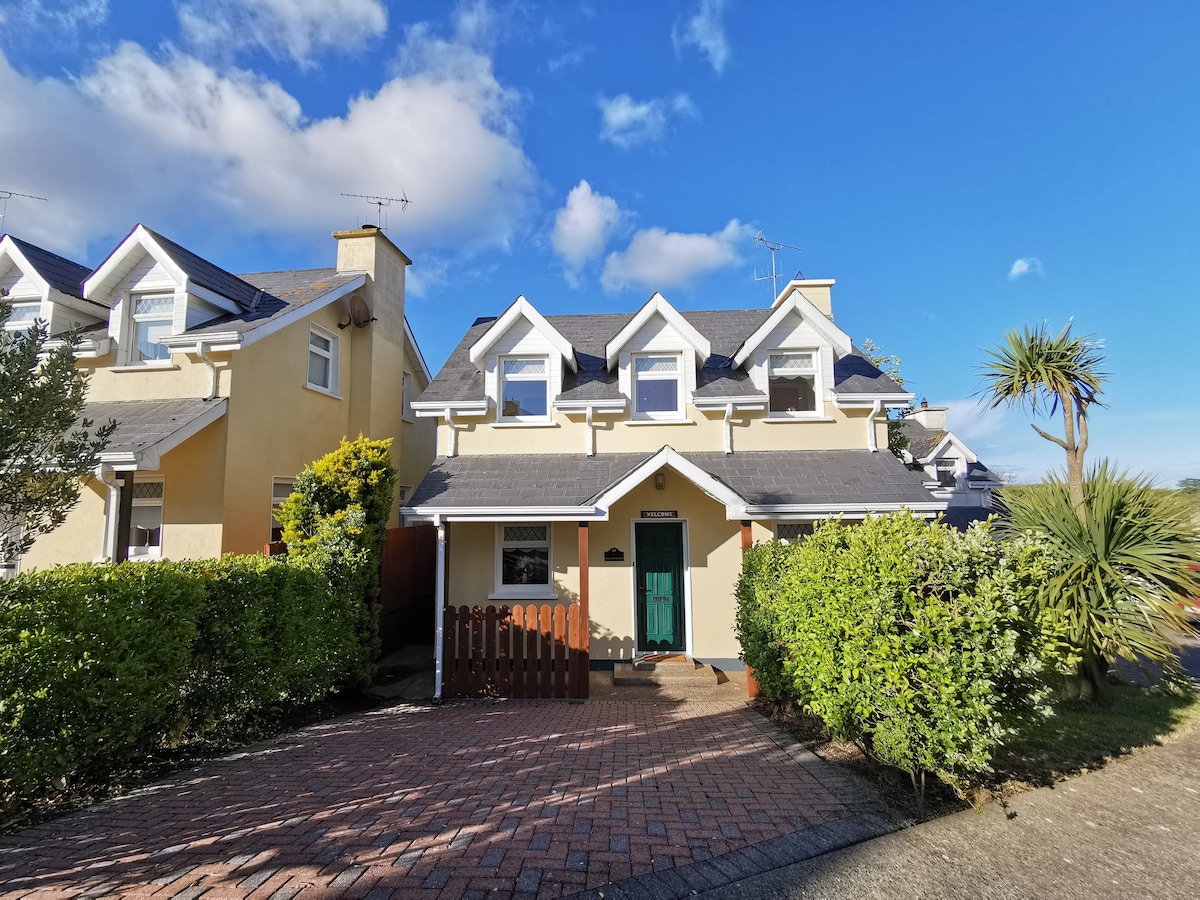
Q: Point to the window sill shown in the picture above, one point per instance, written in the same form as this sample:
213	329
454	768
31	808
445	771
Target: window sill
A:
546	594
639	422
524	424
164	366
792	420
320	390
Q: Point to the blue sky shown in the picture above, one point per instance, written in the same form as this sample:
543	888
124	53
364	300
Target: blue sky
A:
961	169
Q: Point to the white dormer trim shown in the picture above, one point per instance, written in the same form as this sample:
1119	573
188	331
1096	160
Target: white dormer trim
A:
9	248
797	304
950	441
734	503
522	308
658	305
866	401
104	280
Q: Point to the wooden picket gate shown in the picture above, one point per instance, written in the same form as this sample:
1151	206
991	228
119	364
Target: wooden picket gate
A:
526	651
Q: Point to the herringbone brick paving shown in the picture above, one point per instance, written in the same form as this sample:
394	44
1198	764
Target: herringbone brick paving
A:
506	798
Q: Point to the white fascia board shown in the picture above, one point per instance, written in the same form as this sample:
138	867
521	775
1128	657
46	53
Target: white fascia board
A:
506	513
946	443
138	239
212	340
431	409
599	406
660	305
408	333
733	501
210	296
857	401
84	349
522	308
9	248
824	510
803	307
722	402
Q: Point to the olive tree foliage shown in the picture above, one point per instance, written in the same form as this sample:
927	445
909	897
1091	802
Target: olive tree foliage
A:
1120	574
46	447
1060	371
908	638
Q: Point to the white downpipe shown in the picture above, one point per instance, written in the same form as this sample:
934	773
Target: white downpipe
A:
872	441
112	506
452	450
212	371
440	617
728	429
591	434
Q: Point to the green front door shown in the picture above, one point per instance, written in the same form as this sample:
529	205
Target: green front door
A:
658	549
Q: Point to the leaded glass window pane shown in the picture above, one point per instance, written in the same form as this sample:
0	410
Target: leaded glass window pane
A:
791	362
656	364
154	306
514	533
528	367
24	313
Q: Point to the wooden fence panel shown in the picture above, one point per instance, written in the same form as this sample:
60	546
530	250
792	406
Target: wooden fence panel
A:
560	651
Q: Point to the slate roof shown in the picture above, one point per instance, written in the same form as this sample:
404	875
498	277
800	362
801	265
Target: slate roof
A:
206	274
460	381
921	440
282	293
765	477
143	423
62	274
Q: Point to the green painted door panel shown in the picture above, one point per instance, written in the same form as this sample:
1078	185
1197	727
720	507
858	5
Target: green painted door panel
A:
659	557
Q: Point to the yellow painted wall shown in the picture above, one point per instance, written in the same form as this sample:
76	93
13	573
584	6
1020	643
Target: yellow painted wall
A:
187	377
79	539
192	496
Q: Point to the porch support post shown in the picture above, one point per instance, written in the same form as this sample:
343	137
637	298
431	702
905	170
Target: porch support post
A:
585	620
124	517
747	538
439	597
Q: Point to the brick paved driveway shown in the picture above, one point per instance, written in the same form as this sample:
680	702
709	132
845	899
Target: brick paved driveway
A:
505	797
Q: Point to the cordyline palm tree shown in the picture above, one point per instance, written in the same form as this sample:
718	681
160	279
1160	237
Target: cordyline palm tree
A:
1062	371
1122	572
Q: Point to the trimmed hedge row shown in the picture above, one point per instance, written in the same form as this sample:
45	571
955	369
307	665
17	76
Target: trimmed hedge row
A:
102	664
908	638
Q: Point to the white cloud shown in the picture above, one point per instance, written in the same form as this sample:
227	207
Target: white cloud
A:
582	227
704	31
660	260
1029	265
627	123
296	28
63	15
173	140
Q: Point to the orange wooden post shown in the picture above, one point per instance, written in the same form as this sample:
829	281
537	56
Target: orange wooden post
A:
747	539
582	639
546	654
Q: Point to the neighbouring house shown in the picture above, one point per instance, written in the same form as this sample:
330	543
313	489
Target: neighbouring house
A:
630	458
224	386
952	470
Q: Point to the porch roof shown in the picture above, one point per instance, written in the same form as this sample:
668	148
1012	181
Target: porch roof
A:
762	483
146	429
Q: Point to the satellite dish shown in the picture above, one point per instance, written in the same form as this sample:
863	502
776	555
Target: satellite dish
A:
360	313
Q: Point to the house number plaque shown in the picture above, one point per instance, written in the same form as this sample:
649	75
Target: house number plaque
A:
614	554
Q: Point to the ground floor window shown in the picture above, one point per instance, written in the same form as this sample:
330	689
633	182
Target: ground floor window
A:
523	558
793	531
281	489
146	520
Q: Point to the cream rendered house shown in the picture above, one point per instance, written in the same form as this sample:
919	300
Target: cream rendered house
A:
653	446
224	386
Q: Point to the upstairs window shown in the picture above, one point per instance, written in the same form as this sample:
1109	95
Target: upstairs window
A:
947	472
524	389
22	316
322	361
657	387
151	319
523	559
792	379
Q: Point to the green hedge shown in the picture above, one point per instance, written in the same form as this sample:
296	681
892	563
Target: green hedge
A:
907	638
101	664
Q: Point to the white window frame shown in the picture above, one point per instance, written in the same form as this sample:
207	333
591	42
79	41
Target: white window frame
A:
152	552
133	320
946	464
406	398
815	371
639	415
502	377
276	482
529	591
11	324
332	355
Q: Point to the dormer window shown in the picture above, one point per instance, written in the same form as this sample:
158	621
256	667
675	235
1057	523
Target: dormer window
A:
151	319
23	315
792	380
524	389
657	386
947	472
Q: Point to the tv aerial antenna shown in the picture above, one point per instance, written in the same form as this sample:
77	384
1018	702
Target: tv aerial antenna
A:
5	196
380	203
774	247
